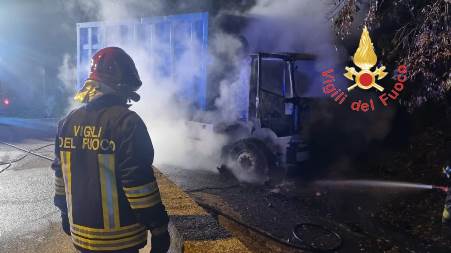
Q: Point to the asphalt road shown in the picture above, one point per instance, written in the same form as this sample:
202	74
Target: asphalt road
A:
28	220
352	213
30	223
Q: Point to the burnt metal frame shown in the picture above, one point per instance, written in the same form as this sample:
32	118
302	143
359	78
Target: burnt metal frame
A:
290	59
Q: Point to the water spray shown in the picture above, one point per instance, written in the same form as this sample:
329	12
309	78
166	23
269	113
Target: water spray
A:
441	188
379	184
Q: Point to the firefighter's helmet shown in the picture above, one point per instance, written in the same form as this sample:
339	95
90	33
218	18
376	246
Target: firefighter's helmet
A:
112	66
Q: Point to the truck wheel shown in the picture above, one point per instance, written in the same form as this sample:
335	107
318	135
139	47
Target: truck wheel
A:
249	160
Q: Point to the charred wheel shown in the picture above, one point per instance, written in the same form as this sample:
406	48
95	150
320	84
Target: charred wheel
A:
249	160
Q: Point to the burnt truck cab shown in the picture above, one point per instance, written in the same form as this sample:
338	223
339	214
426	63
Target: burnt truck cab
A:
271	137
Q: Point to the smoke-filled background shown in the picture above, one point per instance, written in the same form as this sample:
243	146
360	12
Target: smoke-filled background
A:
38	67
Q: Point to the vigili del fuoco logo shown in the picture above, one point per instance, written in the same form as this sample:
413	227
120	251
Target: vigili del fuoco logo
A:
366	75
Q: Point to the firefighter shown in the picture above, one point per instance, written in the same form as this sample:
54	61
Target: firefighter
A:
104	181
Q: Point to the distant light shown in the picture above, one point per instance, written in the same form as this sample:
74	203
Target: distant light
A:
6	101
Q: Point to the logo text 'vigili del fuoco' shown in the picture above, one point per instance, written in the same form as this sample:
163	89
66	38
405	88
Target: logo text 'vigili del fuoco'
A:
365	77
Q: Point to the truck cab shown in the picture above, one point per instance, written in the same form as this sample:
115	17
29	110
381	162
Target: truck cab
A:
271	136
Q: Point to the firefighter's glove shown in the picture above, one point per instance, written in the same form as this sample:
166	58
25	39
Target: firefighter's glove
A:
65	223
160	241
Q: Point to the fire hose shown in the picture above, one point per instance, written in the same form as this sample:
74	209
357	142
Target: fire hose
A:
31	152
27	152
309	245
297	233
300	231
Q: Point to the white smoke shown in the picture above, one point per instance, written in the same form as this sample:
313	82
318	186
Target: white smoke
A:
67	74
111	10
233	89
177	142
297	26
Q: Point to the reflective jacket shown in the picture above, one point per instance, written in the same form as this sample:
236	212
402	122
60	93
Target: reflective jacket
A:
104	181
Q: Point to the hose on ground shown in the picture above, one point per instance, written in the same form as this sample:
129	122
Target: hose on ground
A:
212	188
27	152
311	246
297	233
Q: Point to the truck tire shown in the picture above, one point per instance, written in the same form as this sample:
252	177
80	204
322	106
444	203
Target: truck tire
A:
249	160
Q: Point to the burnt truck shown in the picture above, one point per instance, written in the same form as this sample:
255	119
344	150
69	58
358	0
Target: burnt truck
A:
271	136
268	133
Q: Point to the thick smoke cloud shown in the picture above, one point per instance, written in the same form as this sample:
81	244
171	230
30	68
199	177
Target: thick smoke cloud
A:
297	26
176	141
276	26
113	9
336	135
67	75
